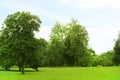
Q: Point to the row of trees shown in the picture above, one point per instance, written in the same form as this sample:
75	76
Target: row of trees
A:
68	45
105	59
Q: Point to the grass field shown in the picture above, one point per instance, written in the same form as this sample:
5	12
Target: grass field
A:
66	73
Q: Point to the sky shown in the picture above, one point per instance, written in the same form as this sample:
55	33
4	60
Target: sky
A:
100	17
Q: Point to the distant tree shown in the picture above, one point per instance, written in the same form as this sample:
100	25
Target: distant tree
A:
117	51
56	45
17	35
42	43
59	30
91	57
95	60
76	44
68	45
106	59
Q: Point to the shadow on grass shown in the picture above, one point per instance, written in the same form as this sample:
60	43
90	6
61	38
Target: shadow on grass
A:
19	71
1	70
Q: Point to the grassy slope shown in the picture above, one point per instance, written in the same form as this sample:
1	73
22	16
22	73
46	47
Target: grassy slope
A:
75	73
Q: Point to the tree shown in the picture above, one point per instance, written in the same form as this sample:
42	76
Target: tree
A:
76	44
34	60
56	46
117	51
91	58
106	59
17	36
69	45
55	55
42	43
95	59
5	60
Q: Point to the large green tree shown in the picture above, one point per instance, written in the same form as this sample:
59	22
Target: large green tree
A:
17	36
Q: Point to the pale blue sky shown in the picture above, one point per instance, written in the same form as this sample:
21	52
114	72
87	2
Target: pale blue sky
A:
100	17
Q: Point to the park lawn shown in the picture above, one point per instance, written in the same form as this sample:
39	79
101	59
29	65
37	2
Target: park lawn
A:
65	73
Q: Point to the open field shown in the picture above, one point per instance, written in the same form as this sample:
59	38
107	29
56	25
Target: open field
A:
66	73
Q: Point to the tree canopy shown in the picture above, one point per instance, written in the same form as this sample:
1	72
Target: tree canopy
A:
76	43
68	45
17	36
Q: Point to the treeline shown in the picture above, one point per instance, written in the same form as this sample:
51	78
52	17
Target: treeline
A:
67	46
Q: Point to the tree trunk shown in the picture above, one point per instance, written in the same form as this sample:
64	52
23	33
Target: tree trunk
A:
22	64
36	69
19	67
22	68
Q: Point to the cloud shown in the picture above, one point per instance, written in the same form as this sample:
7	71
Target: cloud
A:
93	4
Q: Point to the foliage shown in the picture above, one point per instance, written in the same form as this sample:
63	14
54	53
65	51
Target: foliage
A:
106	59
91	58
76	43
68	45
42	45
18	36
56	46
94	61
117	51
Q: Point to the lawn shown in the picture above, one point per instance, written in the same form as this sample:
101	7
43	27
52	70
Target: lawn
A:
66	73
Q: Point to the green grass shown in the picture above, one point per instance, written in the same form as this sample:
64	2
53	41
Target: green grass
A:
66	73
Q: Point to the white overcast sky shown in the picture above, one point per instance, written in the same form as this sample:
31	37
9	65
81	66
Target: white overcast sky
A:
100	17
